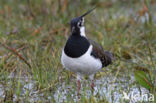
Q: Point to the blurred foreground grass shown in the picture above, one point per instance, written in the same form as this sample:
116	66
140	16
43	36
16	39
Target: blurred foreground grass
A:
32	34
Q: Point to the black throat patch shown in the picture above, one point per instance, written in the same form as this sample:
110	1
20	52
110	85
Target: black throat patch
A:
76	46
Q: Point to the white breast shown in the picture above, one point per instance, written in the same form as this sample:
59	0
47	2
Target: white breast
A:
85	64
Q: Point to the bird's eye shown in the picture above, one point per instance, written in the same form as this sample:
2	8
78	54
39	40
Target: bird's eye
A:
79	24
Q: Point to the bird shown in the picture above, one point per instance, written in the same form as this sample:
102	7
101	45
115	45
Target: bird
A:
83	55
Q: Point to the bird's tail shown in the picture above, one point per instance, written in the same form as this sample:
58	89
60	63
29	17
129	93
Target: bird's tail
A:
108	58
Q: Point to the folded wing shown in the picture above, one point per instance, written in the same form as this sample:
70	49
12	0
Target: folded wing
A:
98	52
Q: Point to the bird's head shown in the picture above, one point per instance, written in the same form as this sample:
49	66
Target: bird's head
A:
77	24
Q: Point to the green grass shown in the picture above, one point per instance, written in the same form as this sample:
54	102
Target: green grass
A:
33	33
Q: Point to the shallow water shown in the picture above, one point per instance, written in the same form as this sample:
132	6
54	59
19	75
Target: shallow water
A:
105	87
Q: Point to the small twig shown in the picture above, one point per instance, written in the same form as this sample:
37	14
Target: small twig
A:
64	6
148	82
116	75
16	53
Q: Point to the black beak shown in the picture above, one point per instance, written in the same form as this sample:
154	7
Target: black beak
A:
87	12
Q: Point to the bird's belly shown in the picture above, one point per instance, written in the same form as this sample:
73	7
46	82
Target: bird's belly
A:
85	64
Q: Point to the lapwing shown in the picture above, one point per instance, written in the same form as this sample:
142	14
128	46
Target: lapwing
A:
82	55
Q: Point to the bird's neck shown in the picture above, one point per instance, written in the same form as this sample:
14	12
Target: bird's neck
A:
82	31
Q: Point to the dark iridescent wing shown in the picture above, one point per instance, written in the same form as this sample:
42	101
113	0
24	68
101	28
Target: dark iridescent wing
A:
98	52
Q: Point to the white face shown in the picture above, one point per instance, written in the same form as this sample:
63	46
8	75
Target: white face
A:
82	31
82	28
81	23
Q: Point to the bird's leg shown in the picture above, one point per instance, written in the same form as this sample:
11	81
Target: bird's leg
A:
92	82
79	86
